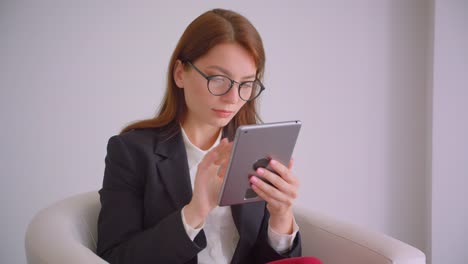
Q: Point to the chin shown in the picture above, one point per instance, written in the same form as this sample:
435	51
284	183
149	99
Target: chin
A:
221	122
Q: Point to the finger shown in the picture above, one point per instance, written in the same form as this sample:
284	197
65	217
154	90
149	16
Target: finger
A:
222	170
291	163
207	161
220	147
280	184
270	199
265	197
213	156
270	192
282	171
223	162
223	153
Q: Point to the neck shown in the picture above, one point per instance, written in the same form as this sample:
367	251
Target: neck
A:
202	136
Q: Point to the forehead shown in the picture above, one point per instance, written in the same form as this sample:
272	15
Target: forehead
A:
232	57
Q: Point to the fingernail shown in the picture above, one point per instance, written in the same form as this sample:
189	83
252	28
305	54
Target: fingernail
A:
253	179
260	171
273	162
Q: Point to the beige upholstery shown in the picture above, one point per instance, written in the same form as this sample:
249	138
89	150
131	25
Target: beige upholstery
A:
336	242
66	233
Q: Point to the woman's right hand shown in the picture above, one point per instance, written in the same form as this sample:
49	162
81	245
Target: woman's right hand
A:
208	181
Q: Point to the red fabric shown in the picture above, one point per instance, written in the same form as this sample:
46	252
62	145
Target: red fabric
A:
298	260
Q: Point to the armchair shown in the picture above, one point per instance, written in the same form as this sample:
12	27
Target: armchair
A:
66	232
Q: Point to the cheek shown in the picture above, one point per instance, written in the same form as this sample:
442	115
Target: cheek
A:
240	105
197	96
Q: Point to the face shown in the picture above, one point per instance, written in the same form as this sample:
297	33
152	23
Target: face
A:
203	108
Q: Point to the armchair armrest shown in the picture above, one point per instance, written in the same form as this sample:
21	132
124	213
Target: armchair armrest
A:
65	232
336	242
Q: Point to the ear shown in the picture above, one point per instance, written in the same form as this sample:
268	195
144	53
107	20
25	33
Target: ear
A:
179	74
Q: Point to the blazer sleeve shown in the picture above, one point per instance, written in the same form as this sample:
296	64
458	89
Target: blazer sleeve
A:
122	237
263	252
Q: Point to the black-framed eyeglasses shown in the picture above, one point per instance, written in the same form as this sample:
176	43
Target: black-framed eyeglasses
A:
220	85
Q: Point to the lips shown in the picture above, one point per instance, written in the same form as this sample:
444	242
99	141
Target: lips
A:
223	113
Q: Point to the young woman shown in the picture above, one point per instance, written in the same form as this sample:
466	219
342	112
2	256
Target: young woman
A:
163	175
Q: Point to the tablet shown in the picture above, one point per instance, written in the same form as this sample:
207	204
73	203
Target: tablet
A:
253	147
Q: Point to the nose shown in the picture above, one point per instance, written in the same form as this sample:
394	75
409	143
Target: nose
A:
232	96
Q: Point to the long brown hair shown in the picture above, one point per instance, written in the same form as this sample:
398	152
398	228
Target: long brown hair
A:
206	31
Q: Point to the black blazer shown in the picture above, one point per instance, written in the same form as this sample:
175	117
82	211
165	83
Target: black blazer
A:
146	184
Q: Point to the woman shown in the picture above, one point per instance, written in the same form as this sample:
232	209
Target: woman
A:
149	212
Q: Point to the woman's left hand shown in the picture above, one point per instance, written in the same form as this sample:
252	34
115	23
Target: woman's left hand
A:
280	196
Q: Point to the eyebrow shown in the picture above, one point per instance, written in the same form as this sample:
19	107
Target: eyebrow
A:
228	73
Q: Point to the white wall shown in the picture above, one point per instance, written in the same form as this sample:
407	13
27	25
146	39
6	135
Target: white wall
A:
449	134
72	74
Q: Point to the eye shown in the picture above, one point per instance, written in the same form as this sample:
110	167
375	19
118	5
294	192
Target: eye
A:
219	80
247	84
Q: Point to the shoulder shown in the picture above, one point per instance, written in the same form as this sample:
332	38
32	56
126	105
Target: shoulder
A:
144	139
140	136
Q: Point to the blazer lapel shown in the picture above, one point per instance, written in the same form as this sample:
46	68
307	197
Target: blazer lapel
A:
173	169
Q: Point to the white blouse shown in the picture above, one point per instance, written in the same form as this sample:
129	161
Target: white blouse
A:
220	231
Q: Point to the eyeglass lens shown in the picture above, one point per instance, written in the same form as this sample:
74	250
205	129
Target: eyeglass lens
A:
219	85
